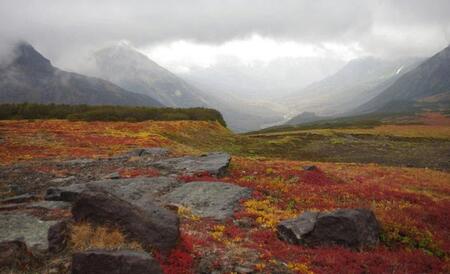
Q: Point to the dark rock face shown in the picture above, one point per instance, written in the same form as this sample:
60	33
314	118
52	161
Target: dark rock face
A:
213	163
114	262
154	226
353	228
208	199
57	236
67	193
13	253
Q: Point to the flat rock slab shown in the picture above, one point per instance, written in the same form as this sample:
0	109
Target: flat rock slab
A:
215	200
215	163
49	205
114	262
135	190
28	228
353	228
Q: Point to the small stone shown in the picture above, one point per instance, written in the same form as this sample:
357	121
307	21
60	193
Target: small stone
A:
114	262
111	176
63	180
310	168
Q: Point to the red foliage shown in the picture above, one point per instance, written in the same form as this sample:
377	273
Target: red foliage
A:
180	260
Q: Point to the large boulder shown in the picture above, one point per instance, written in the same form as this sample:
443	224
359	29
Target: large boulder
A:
353	228
114	262
215	163
57	236
29	229
208	199
153	227
134	190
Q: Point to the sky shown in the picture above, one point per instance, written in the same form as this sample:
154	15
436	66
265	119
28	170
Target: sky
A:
183	34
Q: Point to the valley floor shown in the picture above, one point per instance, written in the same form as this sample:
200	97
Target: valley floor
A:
381	169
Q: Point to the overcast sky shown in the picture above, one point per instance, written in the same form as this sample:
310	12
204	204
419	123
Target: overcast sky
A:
187	33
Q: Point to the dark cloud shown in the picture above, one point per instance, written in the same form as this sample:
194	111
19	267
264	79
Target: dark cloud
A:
61	28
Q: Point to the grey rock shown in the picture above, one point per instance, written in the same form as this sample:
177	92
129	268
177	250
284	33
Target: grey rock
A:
63	180
111	176
134	190
208	199
19	199
78	162
114	262
353	228
27	228
215	163
153	227
310	168
66	193
49	205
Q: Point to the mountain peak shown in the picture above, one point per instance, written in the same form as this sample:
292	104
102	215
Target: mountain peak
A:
30	58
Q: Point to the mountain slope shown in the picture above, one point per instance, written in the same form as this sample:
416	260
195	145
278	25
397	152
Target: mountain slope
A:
356	83
32	78
132	70
430	81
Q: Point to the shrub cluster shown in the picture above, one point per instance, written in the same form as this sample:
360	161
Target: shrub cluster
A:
106	113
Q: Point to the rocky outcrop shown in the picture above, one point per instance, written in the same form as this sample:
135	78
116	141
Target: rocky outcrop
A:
215	164
208	199
153	227
114	262
353	228
57	236
29	229
19	199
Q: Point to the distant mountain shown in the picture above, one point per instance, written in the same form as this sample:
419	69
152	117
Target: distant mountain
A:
30	77
303	118
128	68
428	85
356	83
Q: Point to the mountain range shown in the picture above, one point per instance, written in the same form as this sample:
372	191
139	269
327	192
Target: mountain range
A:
30	77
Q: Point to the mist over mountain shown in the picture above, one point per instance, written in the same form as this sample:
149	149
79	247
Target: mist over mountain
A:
356	83
132	70
427	83
30	77
262	80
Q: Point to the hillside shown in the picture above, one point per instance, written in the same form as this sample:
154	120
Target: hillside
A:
356	83
128	68
227	213
32	78
428	83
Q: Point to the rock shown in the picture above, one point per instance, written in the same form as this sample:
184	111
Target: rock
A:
49	205
27	228
145	152
213	163
111	176
153	227
134	190
13	254
114	262
19	199
57	236
66	193
310	168
208	199
63	180
353	228
81	162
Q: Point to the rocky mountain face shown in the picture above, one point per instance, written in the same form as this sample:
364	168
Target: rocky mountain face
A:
30	77
356	83
128	68
427	83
